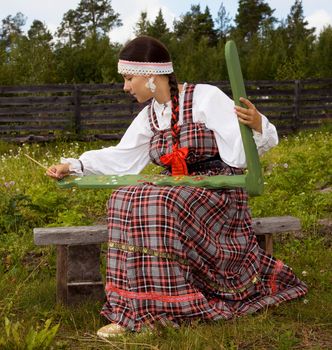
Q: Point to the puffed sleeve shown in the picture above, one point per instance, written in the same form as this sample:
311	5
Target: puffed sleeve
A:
216	110
268	138
129	156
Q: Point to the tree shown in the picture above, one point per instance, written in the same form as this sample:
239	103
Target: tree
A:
265	55
253	25
11	28
85	42
251	15
32	58
196	24
323	53
92	18
71	29
158	29
39	57
10	34
95	61
296	27
199	61
223	21
299	45
39	33
143	24
98	16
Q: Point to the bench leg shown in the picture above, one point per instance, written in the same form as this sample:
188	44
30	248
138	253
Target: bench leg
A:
265	241
78	273
269	244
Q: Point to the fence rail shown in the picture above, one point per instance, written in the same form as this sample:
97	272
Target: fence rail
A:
103	111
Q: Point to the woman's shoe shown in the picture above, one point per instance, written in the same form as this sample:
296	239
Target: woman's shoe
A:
111	330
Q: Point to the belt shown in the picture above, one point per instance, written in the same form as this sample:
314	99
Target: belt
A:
214	163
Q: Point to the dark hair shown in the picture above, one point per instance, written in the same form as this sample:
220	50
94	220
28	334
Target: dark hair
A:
148	49
145	49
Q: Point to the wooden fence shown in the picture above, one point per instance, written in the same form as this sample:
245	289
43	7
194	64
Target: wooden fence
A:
84	111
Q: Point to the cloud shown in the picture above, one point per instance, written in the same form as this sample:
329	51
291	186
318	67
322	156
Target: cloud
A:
319	19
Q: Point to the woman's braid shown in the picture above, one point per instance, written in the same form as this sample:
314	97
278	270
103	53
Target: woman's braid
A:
173	84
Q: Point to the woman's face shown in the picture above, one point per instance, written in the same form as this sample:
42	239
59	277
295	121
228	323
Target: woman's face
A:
135	85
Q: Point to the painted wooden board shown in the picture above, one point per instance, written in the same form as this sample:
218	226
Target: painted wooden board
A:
115	181
252	181
254	177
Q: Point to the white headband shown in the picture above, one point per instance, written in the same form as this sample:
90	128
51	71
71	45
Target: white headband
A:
144	68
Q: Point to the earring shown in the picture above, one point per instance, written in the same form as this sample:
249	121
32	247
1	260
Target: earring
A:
151	85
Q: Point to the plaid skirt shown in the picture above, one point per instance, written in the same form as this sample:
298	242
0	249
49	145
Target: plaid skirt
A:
181	253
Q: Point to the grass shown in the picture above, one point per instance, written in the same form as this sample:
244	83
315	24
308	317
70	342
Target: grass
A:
297	174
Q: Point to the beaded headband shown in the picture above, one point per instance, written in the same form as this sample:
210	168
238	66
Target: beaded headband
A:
144	68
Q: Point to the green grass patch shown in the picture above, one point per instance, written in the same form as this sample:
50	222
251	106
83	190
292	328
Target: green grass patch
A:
297	174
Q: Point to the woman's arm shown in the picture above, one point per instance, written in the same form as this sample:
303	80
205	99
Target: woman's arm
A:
219	113
130	156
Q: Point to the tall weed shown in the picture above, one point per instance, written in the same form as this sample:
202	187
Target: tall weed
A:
16	337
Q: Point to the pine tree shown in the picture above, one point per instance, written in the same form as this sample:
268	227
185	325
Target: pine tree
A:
11	33
323	54
39	32
250	17
223	21
92	18
143	24
196	24
158	29
299	41
296	25
11	28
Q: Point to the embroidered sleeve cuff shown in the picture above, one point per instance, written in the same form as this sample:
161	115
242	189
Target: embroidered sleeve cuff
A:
75	166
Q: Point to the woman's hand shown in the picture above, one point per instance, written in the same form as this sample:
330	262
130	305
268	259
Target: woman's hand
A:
58	171
249	116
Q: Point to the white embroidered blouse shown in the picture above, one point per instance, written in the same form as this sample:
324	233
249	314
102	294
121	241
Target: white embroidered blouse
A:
210	106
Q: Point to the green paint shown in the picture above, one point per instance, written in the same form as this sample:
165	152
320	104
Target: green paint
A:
254	177
103	181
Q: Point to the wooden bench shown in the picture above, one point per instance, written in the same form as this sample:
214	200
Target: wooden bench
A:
78	274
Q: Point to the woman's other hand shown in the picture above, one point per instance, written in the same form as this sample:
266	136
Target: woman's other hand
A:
58	171
249	116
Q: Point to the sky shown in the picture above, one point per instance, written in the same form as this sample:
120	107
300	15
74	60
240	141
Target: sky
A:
317	12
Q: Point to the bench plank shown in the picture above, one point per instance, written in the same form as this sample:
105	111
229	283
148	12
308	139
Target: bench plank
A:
70	235
276	224
98	234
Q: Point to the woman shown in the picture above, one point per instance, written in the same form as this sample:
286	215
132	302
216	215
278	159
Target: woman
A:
181	253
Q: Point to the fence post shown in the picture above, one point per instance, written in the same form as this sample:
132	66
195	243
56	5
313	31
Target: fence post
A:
77	110
297	93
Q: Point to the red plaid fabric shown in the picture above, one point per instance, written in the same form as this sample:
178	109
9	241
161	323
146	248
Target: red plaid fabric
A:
195	136
180	253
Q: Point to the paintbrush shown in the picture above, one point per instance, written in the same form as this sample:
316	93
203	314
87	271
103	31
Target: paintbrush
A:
36	161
